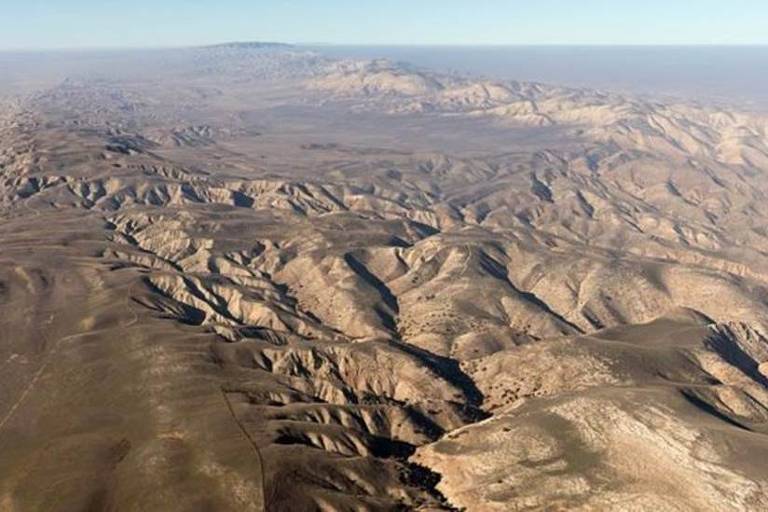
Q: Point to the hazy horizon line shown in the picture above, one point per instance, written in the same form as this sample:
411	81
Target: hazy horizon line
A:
30	49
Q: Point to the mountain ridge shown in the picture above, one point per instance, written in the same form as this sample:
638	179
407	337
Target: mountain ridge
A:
263	281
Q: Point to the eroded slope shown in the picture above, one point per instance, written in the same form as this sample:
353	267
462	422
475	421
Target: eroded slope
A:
205	309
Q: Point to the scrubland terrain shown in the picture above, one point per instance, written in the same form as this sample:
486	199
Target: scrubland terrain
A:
253	278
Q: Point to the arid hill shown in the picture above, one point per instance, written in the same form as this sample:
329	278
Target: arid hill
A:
249	277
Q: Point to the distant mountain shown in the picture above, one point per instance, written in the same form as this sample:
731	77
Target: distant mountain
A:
249	45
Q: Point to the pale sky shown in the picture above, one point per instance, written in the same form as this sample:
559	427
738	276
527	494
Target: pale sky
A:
32	24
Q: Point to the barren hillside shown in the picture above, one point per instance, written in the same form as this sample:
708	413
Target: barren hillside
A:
254	278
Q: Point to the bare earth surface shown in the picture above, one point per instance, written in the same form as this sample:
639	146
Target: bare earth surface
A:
241	278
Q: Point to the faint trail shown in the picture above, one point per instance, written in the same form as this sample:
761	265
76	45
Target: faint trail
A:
253	445
54	349
29	387
129	304
25	204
